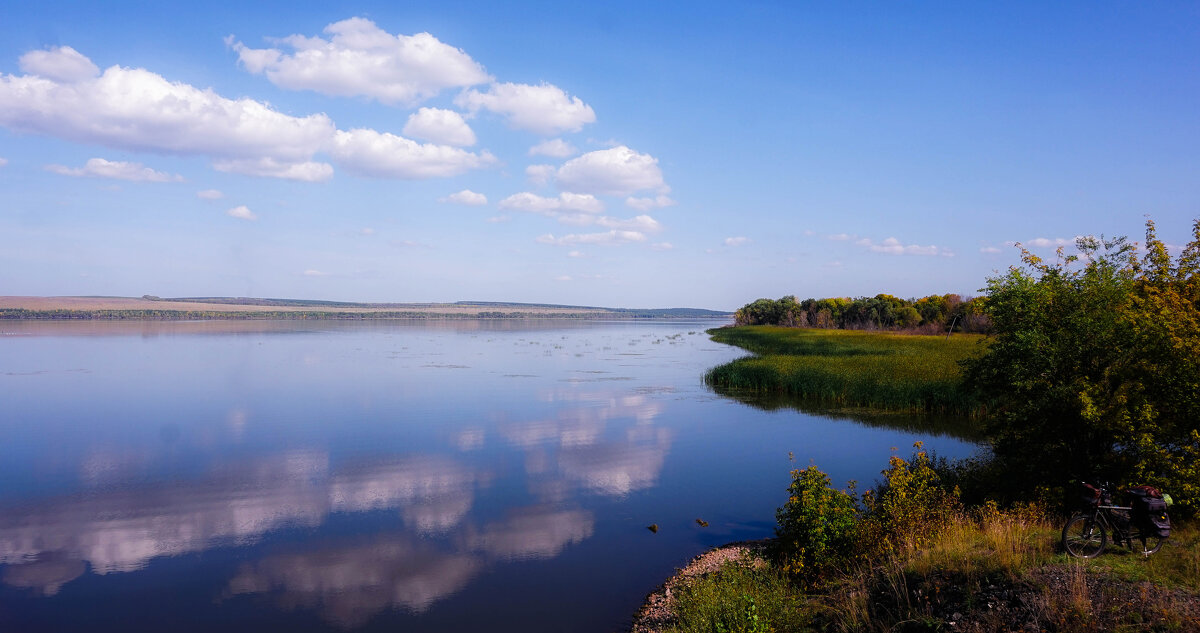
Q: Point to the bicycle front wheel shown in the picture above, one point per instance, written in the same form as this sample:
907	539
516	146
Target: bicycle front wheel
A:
1151	544
1083	536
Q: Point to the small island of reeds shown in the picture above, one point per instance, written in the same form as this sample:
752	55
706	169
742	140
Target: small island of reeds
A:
849	368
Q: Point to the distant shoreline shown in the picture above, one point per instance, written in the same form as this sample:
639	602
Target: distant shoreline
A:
241	308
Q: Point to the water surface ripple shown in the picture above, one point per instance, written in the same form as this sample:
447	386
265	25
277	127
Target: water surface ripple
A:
380	476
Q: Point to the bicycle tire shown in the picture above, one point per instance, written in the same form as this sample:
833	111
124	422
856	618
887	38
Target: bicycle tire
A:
1151	544
1083	536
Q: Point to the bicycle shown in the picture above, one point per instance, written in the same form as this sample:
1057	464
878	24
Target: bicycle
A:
1086	533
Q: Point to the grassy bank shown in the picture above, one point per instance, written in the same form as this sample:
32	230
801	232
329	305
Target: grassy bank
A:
846	369
909	556
994	572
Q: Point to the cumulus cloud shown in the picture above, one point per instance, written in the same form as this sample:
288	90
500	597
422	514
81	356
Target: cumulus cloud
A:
210	194
645	204
543	109
566	201
893	246
241	212
3	161
135	109
539	175
609	238
737	241
618	171
440	126
385	155
267	167
1047	242
117	170
642	223
61	63
467	197
554	148
989	250
315	273
361	59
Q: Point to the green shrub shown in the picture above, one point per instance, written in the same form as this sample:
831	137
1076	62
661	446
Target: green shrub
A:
816	530
908	509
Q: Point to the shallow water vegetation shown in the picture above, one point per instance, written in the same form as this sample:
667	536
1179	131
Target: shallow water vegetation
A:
841	368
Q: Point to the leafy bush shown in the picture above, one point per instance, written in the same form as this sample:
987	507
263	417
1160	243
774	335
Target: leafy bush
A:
821	529
908	509
816	528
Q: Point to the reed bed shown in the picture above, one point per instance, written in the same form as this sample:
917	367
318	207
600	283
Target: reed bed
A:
845	368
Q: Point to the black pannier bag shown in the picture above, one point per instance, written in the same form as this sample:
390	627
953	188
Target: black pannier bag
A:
1150	514
1089	496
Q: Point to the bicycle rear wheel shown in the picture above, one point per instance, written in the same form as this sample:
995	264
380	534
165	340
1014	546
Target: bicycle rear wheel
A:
1083	536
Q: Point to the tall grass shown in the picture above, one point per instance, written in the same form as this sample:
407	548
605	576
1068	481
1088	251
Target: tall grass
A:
842	368
738	598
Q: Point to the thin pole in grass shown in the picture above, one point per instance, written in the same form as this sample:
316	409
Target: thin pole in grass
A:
952	322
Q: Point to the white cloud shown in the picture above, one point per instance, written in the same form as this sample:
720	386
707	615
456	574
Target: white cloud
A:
610	238
3	162
366	231
662	246
543	109
440	126
135	109
63	64
566	201
737	241
989	250
117	170
645	204
210	194
893	246
467	197
386	155
563	278
618	171
833	264
267	167
575	254
360	59
1046	242
539	175
242	213
841	237
315	273
554	148
643	223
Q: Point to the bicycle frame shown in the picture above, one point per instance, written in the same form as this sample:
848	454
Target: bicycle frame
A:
1085	534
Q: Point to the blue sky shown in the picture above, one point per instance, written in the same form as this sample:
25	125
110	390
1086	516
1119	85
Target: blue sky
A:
616	154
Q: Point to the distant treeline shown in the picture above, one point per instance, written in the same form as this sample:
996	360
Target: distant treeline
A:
210	315
935	313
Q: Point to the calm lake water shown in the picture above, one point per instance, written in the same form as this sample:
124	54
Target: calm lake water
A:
380	476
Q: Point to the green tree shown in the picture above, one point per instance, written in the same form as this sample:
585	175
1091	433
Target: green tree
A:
1092	371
